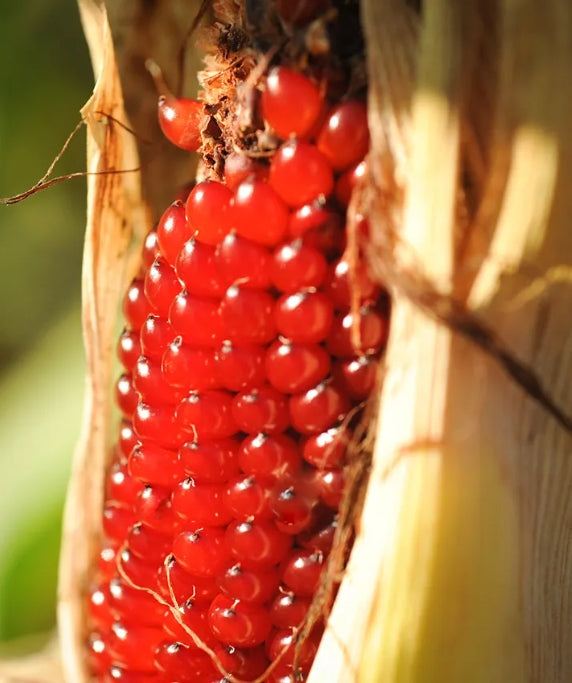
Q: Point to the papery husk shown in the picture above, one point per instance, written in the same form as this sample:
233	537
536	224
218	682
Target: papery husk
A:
116	215
462	567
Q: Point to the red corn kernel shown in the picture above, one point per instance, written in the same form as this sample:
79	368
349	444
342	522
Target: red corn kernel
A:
107	561
201	552
180	119
342	284
263	409
245	664
283	646
154	509
257	541
314	216
243	262
348	180
292	508
193	615
128	349
158	424
319	537
267	456
250	585
156	335
150	250
329	239
288	610
161	286
357	376
327	449
147	543
247	315
132	606
138	573
240	367
136	307
150	383
301	572
344	138
238	167
133	646
330	484
318	408
292	368
126	396
121	487
172	232
300	173
249	497
187	589
181	663
291	103
259	214
305	317
296	265
117	519
197	320
208	210
238	623
201	504
97	653
210	461
207	415
373	330
198	269
99	607
152	464
127	439
189	368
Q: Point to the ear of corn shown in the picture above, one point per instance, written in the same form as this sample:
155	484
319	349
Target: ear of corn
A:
257	349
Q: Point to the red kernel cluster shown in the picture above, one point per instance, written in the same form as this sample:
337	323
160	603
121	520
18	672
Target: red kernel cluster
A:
239	374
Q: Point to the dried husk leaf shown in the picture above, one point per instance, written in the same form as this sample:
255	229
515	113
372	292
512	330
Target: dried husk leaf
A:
116	214
462	569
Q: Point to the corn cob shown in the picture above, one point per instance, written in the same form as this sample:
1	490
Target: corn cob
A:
251	342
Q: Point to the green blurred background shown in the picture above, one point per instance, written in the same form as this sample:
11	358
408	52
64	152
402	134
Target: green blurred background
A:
45	77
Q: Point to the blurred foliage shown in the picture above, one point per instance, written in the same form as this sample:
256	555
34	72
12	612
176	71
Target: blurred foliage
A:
45	78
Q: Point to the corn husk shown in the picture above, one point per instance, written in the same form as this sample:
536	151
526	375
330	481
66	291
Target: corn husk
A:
462	569
115	213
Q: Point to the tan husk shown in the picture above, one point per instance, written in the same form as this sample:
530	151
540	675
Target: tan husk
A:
115	214
462	568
